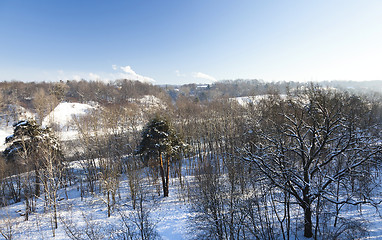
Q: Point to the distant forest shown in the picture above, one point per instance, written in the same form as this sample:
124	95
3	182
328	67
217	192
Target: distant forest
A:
120	91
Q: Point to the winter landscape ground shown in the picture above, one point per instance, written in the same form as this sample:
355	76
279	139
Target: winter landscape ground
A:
170	216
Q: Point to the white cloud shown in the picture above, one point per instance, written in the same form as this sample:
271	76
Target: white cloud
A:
77	77
93	76
130	74
127	69
203	76
179	74
125	72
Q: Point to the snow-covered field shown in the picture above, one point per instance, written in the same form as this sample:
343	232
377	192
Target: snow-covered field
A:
169	215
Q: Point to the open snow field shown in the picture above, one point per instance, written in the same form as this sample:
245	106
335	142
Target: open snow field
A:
169	215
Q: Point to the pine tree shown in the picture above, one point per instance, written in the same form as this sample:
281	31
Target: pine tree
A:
26	143
159	141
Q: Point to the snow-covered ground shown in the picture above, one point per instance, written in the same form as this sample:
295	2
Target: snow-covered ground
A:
63	117
4	132
244	101
149	101
65	112
169	215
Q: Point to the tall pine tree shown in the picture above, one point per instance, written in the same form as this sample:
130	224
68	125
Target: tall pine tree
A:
161	143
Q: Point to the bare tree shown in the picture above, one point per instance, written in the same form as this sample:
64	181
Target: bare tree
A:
309	142
52	174
7	228
136	223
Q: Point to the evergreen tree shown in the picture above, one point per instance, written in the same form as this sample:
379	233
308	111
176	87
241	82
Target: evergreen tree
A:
25	146
159	141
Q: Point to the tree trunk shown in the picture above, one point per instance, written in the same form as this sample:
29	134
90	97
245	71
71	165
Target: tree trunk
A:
108	204
37	182
162	175
337	206
55	215
27	207
167	176
308	231
308	226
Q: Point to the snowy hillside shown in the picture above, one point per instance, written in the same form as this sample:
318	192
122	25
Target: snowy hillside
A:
62	117
64	113
244	101
149	102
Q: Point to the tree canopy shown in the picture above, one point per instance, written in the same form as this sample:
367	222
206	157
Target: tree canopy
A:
159	138
27	139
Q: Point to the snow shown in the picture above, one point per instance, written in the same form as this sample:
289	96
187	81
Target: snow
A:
4	133
174	215
65	112
21	123
149	101
170	215
63	116
244	101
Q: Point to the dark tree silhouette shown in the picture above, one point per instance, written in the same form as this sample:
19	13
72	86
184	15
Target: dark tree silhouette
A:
159	140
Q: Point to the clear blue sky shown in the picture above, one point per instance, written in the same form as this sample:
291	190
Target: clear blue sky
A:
183	41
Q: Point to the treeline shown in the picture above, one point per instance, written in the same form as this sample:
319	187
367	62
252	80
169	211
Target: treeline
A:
17	98
229	89
40	98
76	91
120	91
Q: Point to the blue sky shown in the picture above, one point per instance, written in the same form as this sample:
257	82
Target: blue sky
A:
184	41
